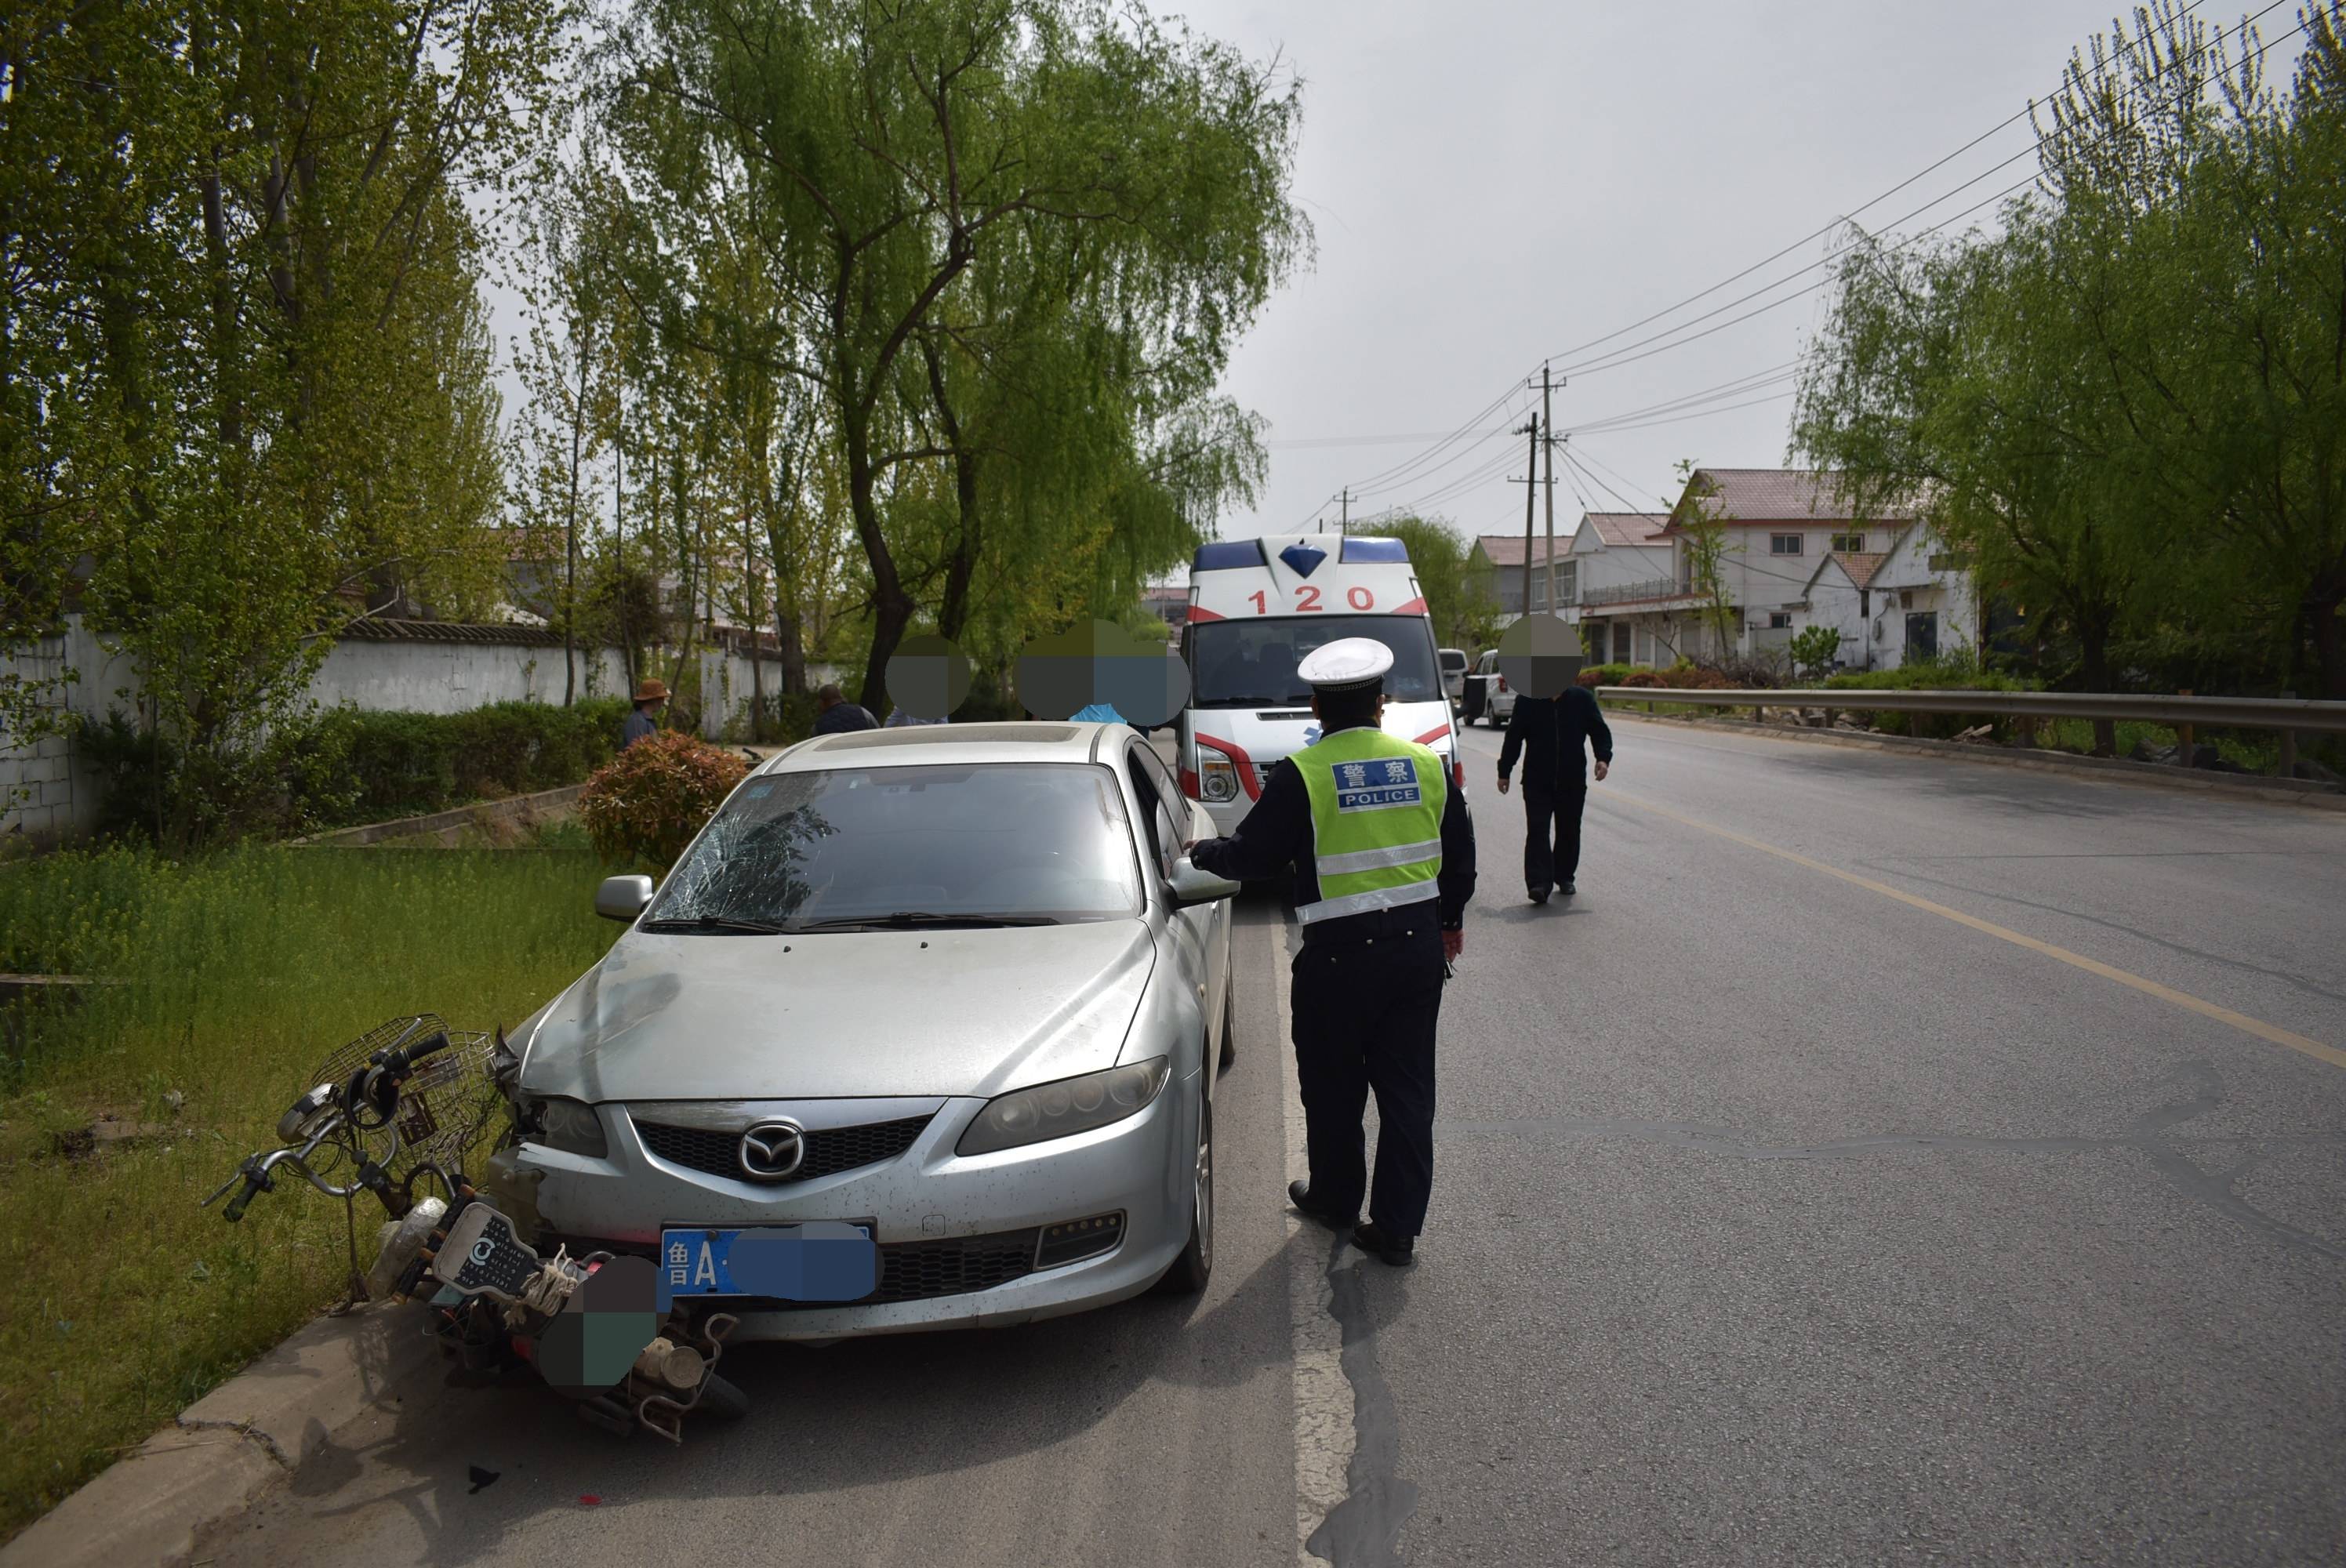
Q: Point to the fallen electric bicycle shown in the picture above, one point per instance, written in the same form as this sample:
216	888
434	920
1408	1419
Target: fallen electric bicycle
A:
408	1100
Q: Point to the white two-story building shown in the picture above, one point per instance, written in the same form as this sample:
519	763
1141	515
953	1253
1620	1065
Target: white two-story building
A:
1913	601
1631	596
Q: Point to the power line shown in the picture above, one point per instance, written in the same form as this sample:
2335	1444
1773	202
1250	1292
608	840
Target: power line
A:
1388	478
1404	481
2004	123
1483	472
1572	461
1305	443
1723	391
1699	413
1624	478
1615	359
1693	405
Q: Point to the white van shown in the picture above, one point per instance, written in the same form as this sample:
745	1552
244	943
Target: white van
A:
1256	608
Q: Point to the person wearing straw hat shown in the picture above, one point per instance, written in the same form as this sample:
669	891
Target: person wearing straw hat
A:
1383	851
652	700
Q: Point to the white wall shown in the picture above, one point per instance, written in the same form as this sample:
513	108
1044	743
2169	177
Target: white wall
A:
46	791
1834	603
729	687
453	678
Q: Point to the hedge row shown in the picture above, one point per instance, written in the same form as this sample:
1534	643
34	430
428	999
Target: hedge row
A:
374	767
1677	677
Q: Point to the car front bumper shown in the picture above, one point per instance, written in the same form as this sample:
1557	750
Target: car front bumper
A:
928	1208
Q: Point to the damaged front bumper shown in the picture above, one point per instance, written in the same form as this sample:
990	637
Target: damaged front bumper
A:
964	1241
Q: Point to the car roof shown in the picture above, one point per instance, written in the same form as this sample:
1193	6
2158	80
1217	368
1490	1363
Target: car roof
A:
930	744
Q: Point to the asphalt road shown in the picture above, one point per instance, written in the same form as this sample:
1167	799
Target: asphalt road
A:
1883	1159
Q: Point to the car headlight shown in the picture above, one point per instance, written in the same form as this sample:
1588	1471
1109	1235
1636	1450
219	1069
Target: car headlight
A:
572	1127
1062	1109
1217	779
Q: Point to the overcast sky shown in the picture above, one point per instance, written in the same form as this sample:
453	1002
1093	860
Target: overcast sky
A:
1493	183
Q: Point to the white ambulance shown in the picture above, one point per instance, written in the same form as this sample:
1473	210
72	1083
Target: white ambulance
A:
1256	608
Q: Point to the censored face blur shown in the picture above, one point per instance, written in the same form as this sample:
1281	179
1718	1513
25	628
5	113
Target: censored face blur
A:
1540	656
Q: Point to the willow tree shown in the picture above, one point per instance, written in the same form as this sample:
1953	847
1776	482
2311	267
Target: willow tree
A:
1957	381
2216	200
2130	401
895	150
244	340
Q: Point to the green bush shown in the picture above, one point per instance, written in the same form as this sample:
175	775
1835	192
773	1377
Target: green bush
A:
647	803
1959	674
347	765
1593	674
381	765
1946	676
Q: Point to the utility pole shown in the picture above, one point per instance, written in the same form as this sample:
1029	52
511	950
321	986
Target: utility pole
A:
1345	526
1547	415
1531	497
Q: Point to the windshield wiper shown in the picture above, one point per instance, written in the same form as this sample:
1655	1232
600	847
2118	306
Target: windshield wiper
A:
919	920
711	922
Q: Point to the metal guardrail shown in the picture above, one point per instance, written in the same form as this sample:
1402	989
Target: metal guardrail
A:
2226	712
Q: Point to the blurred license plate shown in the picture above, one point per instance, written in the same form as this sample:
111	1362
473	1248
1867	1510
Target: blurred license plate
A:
823	1261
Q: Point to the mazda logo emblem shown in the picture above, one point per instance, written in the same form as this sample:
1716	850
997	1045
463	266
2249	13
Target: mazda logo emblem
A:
772	1150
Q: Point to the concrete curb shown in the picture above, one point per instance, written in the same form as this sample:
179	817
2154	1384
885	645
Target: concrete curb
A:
255	1430
2112	770
449	829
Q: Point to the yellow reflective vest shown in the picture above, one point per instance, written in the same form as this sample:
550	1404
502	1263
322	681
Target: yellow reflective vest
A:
1376	822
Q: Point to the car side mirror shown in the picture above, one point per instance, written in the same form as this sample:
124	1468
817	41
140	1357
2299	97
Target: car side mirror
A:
623	897
1192	886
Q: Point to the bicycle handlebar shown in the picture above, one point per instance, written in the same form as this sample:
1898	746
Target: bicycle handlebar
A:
439	1042
256	1169
375	1086
236	1206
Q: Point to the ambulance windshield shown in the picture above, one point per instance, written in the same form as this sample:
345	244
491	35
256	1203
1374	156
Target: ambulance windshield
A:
1243	663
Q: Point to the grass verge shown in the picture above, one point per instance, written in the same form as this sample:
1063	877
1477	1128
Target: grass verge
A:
238	972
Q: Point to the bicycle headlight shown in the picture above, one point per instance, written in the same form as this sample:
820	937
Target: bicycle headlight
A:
1065	1108
1217	779
572	1126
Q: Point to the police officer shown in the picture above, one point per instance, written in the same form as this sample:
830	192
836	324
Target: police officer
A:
1383	851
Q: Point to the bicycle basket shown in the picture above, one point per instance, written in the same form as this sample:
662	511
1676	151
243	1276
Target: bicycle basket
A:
443	1108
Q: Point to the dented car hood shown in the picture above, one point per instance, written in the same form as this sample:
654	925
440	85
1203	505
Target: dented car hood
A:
845	1014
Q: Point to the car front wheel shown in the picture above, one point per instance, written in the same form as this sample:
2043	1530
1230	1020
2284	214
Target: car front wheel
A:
1196	1265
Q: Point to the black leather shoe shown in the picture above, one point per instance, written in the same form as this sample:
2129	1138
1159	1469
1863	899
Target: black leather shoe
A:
1568	889
1394	1250
1539	898
1299	1192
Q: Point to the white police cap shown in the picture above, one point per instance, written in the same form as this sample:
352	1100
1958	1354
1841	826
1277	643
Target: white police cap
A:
1347	664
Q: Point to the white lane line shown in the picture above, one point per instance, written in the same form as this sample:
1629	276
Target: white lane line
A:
1323	1395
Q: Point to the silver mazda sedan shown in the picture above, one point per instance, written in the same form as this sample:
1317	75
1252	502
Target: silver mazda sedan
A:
921	1033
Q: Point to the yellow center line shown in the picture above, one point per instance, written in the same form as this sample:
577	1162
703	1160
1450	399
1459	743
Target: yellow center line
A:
2240	1021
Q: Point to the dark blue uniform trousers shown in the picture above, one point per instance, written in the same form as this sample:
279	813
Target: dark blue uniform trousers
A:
1364	1019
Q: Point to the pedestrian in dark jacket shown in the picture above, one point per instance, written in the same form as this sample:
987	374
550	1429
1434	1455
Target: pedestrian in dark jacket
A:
1549	735
836	714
